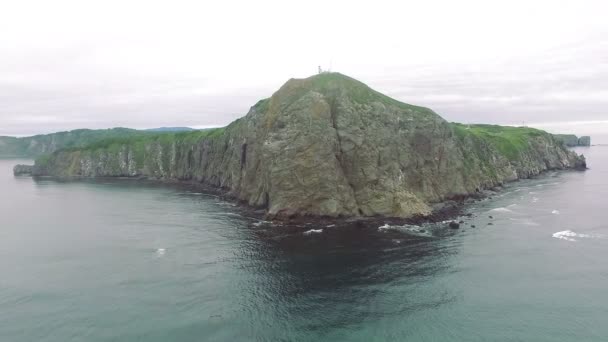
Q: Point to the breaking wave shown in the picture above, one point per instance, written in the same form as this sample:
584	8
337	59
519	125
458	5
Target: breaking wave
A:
569	235
407	229
313	231
502	210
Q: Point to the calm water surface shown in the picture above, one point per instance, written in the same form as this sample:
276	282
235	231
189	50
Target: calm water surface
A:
128	261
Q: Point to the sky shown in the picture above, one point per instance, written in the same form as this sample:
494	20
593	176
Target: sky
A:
142	64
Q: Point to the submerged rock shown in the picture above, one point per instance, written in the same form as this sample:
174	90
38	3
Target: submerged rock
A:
454	225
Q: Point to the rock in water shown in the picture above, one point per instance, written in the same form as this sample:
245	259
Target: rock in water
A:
23	170
454	225
329	145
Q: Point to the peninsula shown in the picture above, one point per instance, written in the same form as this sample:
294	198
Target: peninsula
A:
328	145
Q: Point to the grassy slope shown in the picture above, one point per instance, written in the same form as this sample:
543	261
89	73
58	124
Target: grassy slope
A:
78	139
509	141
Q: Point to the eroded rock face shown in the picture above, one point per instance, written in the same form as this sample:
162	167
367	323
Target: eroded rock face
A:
584	141
571	140
326	145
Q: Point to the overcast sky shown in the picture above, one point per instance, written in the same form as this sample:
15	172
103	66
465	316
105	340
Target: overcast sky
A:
141	64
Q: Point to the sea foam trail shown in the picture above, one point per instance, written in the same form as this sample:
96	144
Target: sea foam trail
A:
569	235
408	229
313	231
502	210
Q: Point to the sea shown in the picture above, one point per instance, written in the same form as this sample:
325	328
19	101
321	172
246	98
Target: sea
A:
121	260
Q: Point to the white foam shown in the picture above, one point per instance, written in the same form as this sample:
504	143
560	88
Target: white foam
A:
330	225
313	231
534	199
408	229
259	223
502	210
161	251
555	212
569	235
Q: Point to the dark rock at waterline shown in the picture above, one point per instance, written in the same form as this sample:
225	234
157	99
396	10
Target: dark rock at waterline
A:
472	226
461	221
491	216
23	170
490	224
454	225
469	215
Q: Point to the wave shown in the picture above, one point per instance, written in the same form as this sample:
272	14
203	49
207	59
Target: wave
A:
313	231
502	210
569	235
408	229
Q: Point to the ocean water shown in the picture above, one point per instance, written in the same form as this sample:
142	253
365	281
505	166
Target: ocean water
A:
130	261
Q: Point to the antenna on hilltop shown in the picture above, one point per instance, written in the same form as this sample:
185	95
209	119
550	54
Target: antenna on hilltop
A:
320	70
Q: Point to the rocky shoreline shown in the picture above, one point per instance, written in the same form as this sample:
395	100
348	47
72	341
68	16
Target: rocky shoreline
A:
452	213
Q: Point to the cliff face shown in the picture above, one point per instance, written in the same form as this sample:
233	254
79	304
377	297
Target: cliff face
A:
329	145
571	140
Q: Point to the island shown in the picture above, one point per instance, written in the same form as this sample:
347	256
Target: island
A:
327	146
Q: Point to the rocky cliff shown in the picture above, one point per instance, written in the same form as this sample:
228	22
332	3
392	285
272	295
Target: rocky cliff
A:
571	140
329	145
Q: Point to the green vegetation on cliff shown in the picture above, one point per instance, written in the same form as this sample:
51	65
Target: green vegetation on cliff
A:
39	145
509	141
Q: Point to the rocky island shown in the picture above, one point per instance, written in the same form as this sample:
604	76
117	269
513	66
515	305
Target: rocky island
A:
328	145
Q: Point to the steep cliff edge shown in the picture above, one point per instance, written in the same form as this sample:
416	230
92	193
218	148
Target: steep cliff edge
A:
329	145
571	140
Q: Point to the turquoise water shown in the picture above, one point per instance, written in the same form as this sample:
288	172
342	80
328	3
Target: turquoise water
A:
131	261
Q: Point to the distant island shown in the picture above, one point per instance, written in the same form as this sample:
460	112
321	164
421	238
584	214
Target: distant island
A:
327	145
